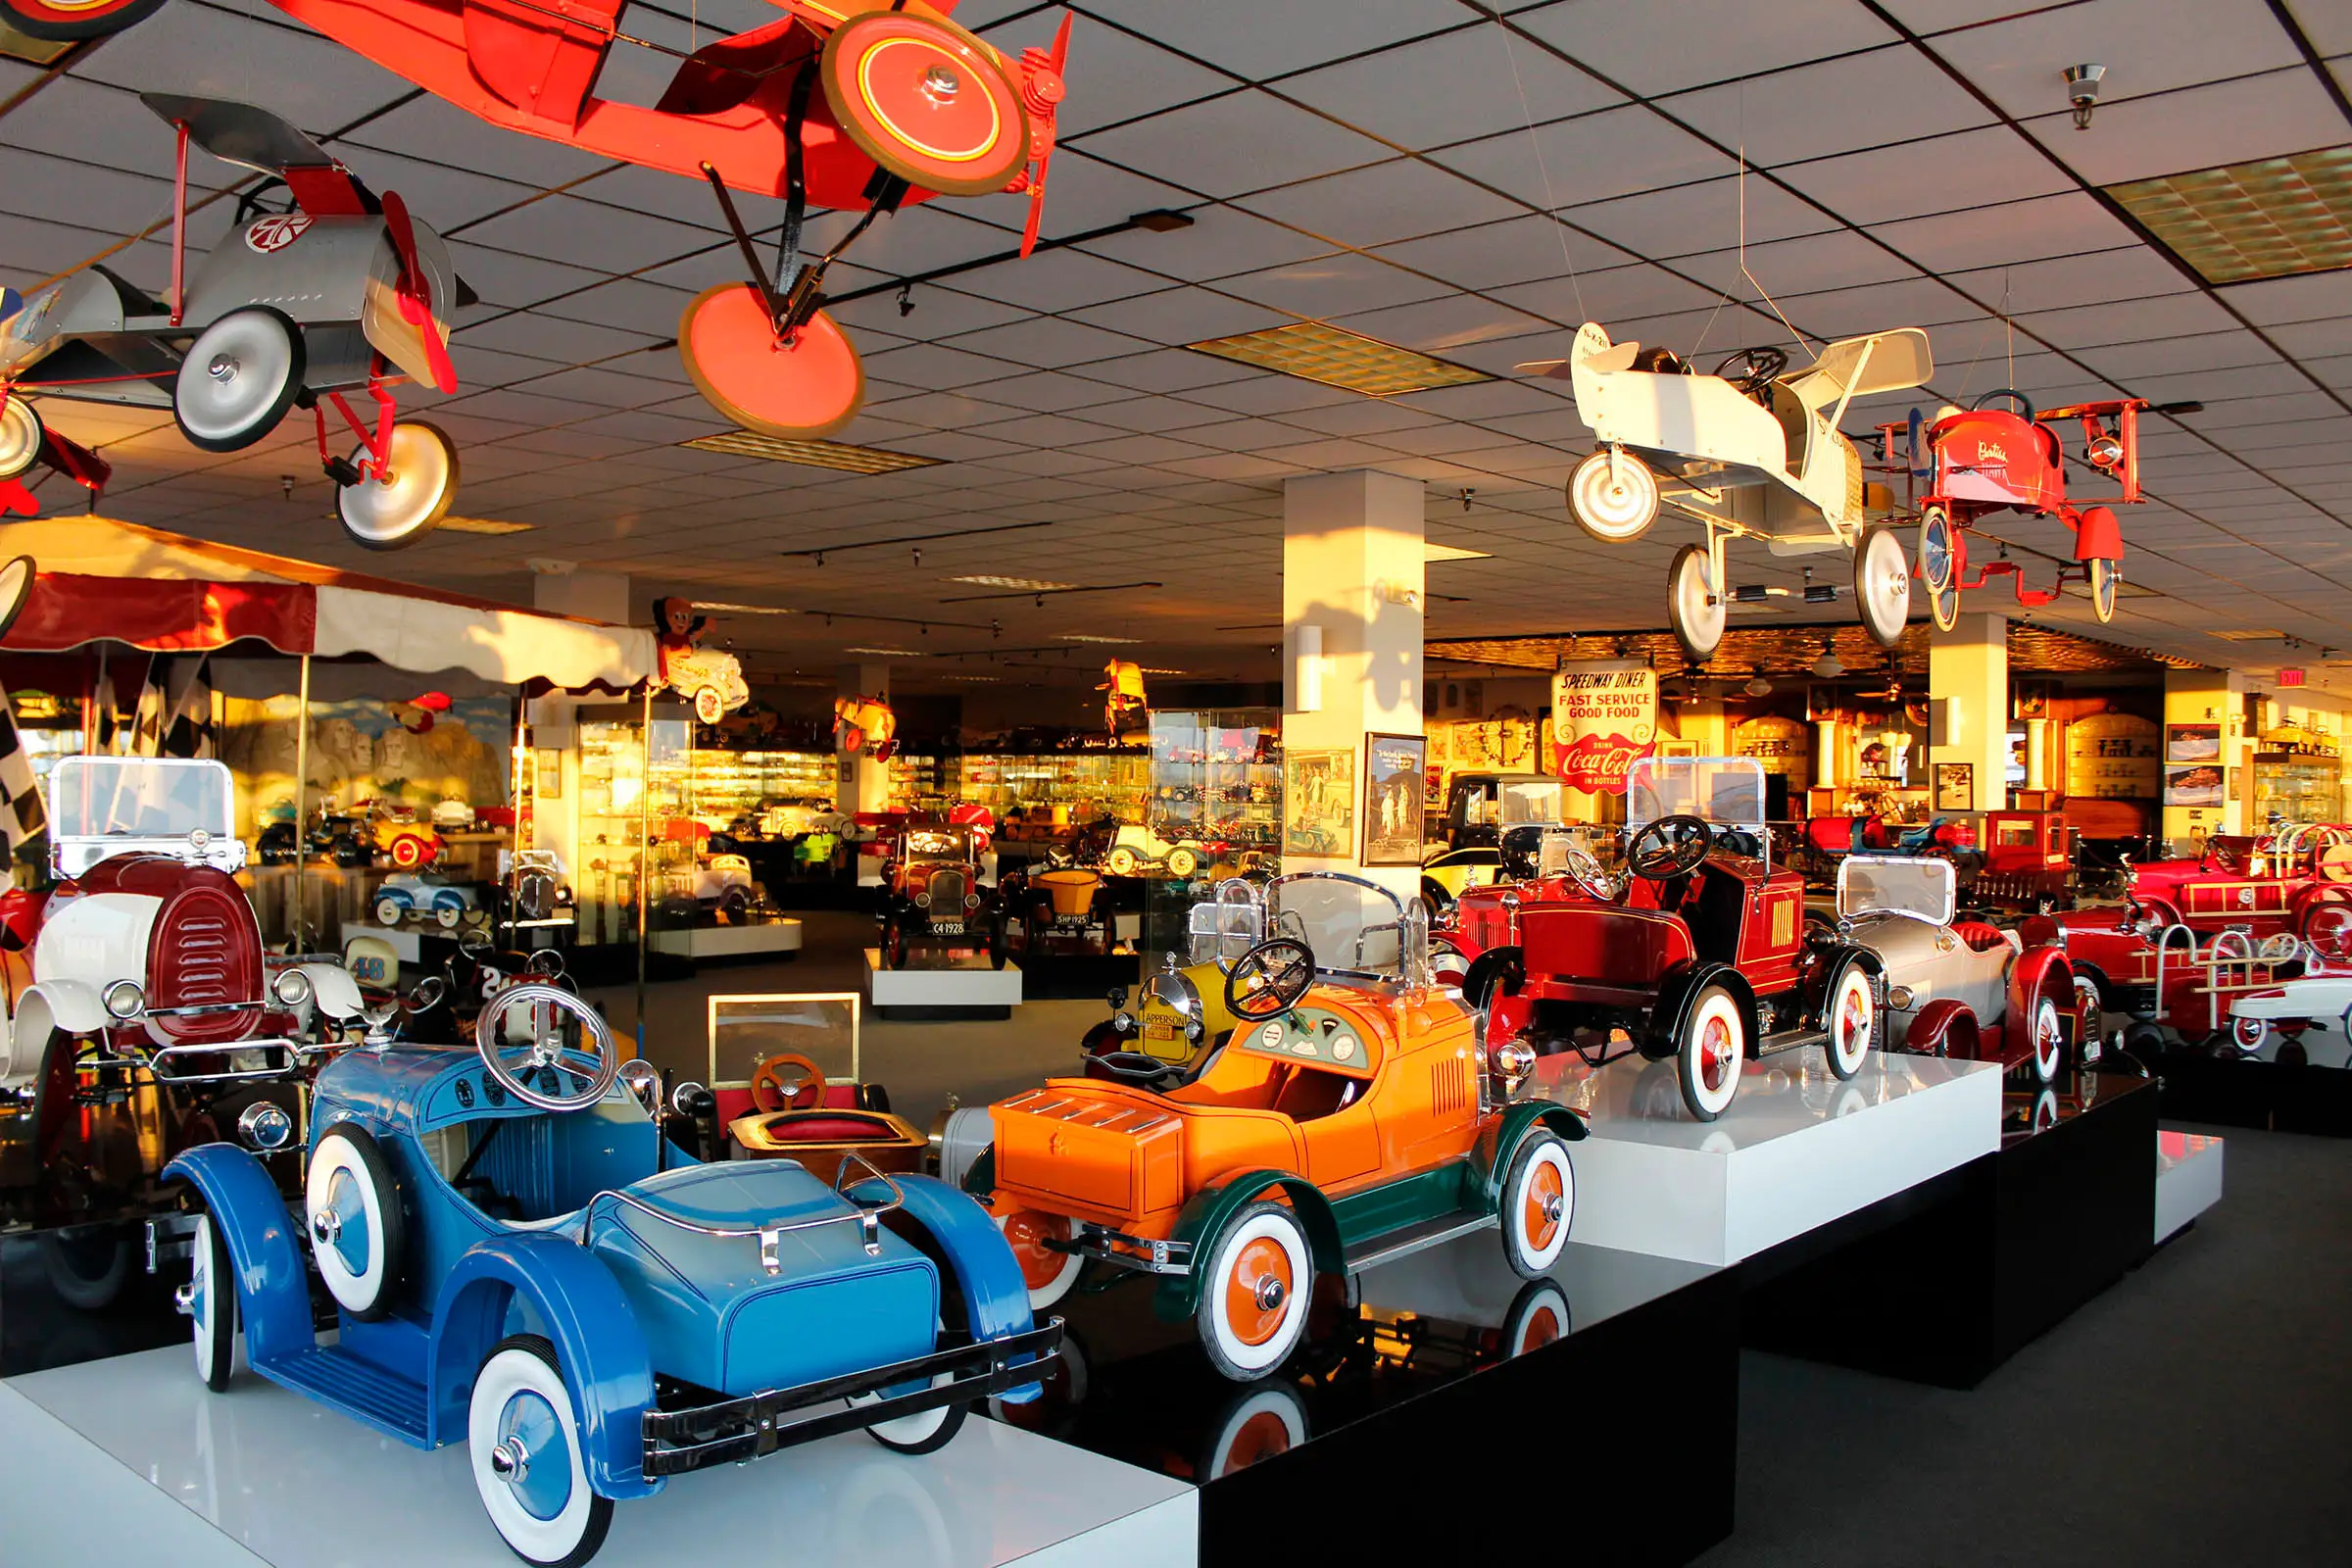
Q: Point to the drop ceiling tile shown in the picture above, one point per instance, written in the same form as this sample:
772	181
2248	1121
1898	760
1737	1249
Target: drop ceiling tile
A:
1517	250
1221	241
1049	430
1494	399
1365	416
935	364
1679	44
2016	231
1058	280
626	303
2246	380
1967	169
1411	94
436	131
1805	265
1588	159
1704	217
2062	282
1146	415
1261	39
2309	298
2226	122
316	84
1443	326
1399	200
1114	73
550	337
564	227
1888	95
2315	339
1179	315
1613	294
1082	193
1049	342
1332	284
2167	315
2139	41
1244	141
1167	370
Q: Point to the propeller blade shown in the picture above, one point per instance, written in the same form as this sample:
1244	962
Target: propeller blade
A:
417	292
1061	43
1036	198
1045	86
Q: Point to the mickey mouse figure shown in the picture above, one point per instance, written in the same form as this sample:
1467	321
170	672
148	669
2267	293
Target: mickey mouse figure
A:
677	630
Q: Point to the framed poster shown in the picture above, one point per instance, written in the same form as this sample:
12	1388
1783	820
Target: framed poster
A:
1395	781
1604	718
2192	743
1318	803
1955	786
2195	786
547	762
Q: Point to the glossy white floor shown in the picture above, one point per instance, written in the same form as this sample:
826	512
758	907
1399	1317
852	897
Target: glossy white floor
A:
1796	1150
137	1461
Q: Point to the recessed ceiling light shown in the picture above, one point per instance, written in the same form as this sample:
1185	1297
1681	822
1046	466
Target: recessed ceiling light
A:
2263	634
1089	637
1031	584
891	653
1431	550
743	609
977	680
811	453
2272	217
456	525
1316	351
32	51
1150	669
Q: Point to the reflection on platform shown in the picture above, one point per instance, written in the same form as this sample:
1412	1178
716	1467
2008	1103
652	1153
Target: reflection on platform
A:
1778	1095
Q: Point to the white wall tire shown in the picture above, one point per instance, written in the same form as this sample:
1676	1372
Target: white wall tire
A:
389	911
1696	606
1944	606
2247	1034
1538	1203
1707	1059
1851	1020
240	378
351	1208
1613	502
1122	860
2048	1041
1049	1274
1539	1316
392	511
20	437
212	1305
1447	966
709	705
1264	1424
537	1494
1882	585
925	1432
1253	1289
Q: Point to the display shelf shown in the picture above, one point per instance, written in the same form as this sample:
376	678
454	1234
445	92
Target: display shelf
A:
775	939
2232	1090
965	989
257	1475
2114	757
1078	786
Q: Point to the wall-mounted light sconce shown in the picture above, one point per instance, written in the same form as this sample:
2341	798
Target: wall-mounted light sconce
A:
1306	685
1390	591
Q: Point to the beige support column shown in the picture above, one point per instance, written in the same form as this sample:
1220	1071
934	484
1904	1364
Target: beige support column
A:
1352	612
859	783
1967	713
2201	698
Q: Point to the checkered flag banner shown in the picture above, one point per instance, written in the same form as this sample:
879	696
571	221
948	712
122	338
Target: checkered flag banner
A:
176	709
20	811
103	732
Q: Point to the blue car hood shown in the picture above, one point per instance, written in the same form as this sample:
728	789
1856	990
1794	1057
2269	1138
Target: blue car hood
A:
713	1314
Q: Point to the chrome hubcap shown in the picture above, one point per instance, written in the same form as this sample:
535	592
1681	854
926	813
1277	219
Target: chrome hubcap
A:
939	84
510	1463
223	368
1268	1293
1553	1206
327	1227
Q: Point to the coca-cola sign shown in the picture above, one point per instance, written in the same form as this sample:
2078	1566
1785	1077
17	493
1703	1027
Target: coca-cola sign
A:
1605	717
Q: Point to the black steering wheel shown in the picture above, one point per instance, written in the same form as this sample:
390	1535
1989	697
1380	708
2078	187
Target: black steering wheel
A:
1136	1067
2012	394
1758	367
1681	843
1270	979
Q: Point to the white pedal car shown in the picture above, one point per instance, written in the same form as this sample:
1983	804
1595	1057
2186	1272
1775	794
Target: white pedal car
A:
1752	454
2308	1019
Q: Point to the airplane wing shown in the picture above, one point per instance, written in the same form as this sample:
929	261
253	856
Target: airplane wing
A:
1860	366
257	139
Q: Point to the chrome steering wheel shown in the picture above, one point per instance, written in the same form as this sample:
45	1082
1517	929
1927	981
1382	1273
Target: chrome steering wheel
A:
1584	869
1681	843
1270	979
544	1056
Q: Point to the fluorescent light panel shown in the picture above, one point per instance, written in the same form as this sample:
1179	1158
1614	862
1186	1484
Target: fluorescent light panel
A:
458	524
893	653
810	453
1089	637
743	609
1315	351
1431	550
1028	584
2272	217
2263	634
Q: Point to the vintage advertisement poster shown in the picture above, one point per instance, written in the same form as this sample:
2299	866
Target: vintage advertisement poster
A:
1393	799
1604	717
1318	803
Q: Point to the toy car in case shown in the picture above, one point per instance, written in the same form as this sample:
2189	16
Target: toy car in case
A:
1964	990
1749	451
709	678
147	972
403	894
1061	909
518	1261
931	897
1697	952
1137	848
1351	1118
720	883
400	836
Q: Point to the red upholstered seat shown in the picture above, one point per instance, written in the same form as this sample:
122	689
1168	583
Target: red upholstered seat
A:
1980	937
825	1127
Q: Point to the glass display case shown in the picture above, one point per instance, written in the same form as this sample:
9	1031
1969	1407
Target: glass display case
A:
631	783
1069	786
727	785
2298	776
1216	778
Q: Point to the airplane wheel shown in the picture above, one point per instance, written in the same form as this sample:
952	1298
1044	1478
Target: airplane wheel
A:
796	391
20	437
1707	1060
397	507
2105	575
1936	564
15	589
1695	605
925	100
1882	585
238	380
1944	605
1252	1293
72	20
1613	502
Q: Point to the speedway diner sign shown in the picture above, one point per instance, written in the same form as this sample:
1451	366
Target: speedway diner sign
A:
1605	717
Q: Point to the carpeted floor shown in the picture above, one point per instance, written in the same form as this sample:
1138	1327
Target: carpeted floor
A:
2199	1412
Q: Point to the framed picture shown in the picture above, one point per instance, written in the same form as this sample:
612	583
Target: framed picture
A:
2033	699
1318	803
548	761
2195	786
1955	786
1395	781
2192	743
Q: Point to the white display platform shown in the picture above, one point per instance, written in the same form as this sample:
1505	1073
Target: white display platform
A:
730	941
2189	1180
968	982
1796	1150
263	1476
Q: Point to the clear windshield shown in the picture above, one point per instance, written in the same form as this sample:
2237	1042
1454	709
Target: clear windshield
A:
1355	926
140	797
1534	800
939	844
1551	854
1720	790
1874	884
747	1030
1224	927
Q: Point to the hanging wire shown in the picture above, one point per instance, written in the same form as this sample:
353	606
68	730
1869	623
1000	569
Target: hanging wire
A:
1551	201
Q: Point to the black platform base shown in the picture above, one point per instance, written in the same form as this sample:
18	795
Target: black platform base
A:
2237	1091
905	1014
1048	975
1945	1282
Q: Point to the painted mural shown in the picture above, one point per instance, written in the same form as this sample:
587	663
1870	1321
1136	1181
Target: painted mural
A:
369	750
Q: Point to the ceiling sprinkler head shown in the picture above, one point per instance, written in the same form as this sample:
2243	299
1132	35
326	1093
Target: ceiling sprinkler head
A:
2082	89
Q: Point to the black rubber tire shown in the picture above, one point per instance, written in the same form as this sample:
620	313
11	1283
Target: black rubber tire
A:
104	27
224	1314
937	1440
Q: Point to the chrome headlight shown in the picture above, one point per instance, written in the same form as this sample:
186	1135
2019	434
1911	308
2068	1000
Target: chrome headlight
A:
1898	997
1123	1022
971	901
265	1126
124	1000
1514	1059
293	987
923	901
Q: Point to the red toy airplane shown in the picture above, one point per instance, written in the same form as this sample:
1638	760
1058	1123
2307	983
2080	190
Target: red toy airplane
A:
912	106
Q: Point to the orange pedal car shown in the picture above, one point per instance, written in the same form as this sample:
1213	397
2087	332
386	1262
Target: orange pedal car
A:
1351	1118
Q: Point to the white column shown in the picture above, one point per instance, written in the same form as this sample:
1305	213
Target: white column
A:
861	784
1968	689
1352	574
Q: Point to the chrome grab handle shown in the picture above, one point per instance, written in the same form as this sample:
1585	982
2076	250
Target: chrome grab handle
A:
867	1218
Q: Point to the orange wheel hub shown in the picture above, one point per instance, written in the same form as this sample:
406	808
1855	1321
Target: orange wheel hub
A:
1262	1436
1028	1232
1545	1199
1258	1290
925	100
1715	1055
1541	1330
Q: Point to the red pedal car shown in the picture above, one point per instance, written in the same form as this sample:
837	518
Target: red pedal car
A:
1701	953
1981	459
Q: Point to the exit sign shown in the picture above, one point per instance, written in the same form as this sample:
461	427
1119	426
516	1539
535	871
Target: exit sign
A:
2290	677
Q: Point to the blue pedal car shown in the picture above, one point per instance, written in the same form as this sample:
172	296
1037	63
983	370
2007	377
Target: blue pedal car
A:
521	1261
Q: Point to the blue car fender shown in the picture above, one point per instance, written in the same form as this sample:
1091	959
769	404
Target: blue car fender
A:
995	1298
273	1294
599	1347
